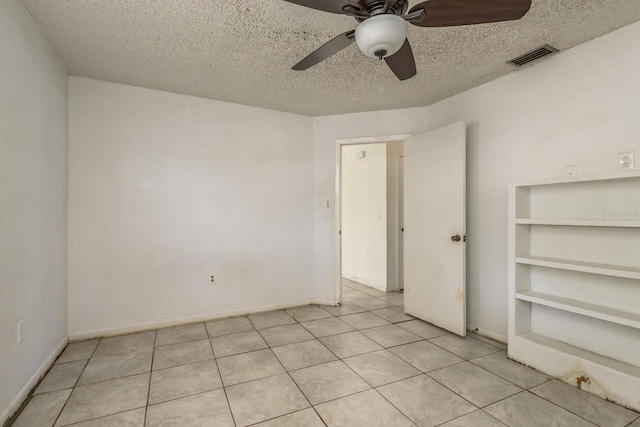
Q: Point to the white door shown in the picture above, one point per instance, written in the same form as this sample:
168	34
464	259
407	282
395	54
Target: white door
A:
434	224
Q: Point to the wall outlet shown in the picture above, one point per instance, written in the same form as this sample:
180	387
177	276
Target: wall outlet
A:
571	171
625	161
212	279
21	330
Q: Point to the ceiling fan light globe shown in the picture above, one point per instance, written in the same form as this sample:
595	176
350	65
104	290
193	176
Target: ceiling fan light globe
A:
381	33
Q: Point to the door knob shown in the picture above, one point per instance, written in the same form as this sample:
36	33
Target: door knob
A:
455	238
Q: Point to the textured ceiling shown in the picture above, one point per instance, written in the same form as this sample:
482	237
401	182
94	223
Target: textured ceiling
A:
242	50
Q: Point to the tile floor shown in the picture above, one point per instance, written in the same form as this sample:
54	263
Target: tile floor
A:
365	363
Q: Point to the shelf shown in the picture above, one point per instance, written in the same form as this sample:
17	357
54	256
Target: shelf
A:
582	179
608	314
624	223
560	346
583	267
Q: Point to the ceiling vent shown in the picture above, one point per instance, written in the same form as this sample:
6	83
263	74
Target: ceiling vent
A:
534	55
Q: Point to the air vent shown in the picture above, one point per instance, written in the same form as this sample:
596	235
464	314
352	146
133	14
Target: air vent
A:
533	55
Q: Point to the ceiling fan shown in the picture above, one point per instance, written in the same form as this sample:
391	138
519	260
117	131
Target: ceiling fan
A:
382	28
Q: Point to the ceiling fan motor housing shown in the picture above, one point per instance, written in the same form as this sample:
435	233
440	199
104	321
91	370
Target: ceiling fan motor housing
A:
381	35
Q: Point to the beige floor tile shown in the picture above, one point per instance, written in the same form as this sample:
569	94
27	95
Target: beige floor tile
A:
390	336
477	418
233	325
125	343
366	409
271	319
105	398
364	320
589	406
265	399
201	410
426	356
182	381
393	314
423	329
43	409
395	299
325	327
426	402
181	354
328	381
354	296
61	376
303	354
372	303
305	314
180	334
350	344
248	367
243	342
78	351
468	348
520	375
288	334
381	367
304	418
344	309
116	366
133	418
528	410
474	384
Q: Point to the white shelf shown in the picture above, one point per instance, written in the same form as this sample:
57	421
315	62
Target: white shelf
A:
579	307
580	179
617	365
624	223
583	267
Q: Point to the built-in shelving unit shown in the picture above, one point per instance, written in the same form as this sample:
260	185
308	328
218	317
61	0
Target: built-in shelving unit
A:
574	281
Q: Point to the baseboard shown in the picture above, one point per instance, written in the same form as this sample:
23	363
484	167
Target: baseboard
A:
176	321
329	302
33	381
489	334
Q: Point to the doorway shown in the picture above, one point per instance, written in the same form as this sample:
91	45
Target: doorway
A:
433	226
371	219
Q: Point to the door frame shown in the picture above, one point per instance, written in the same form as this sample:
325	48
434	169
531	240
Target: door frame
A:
338	194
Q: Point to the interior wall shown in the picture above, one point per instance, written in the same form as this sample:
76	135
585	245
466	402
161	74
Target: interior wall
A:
166	190
33	205
579	107
364	214
395	150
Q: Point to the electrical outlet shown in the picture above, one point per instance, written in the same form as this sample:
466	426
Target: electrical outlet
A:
212	279
20	330
625	161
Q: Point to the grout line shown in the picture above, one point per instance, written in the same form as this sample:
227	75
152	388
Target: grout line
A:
224	390
153	355
77	379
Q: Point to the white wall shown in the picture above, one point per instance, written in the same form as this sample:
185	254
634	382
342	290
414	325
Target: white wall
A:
33	208
580	107
165	190
364	215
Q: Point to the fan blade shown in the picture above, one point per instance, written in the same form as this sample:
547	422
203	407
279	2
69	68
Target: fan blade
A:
328	49
388	4
333	6
445	13
402	62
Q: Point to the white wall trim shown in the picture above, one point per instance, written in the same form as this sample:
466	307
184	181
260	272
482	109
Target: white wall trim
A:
488	334
373	139
33	381
166	323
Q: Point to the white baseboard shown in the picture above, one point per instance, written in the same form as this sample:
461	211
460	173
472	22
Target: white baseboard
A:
489	334
329	302
24	393
165	323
